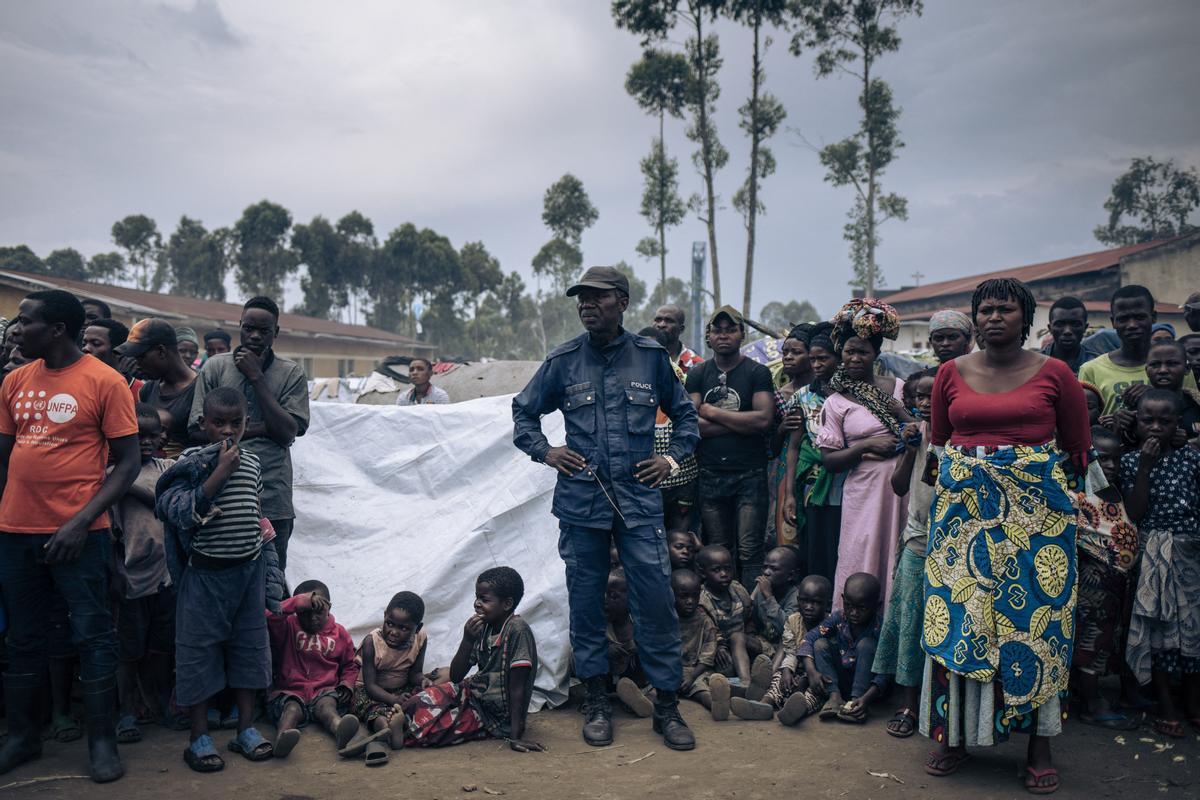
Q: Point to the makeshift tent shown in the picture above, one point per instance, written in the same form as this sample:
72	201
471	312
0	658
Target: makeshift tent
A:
424	498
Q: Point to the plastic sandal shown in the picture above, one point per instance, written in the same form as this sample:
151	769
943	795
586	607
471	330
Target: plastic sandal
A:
942	764
1034	780
1170	727
903	724
128	731
202	756
377	754
285	742
251	745
344	732
1112	720
65	729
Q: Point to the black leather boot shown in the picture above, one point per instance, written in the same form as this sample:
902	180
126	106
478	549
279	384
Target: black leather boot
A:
99	704
597	713
667	722
24	743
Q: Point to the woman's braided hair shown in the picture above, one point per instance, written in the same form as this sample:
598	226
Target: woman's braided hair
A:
1006	289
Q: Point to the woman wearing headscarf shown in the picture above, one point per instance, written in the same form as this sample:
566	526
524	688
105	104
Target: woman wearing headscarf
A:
812	497
1000	576
863	423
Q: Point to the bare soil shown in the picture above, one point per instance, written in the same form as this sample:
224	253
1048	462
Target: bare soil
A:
735	759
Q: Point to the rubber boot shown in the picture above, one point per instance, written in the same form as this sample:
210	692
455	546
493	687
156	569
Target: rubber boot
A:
667	722
22	693
99	703
597	713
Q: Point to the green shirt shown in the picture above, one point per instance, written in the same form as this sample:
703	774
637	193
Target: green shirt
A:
1112	380
286	382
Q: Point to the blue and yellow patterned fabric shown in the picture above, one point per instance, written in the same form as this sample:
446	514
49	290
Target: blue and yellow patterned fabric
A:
1000	577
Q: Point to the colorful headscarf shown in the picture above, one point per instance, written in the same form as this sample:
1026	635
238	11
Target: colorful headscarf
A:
949	318
867	319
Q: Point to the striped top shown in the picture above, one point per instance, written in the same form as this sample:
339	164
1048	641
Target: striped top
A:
233	528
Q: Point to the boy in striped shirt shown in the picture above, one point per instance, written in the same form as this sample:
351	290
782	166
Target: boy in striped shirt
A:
221	633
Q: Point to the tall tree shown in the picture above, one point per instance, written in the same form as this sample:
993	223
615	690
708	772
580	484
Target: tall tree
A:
264	259
359	249
104	267
849	35
782	316
660	83
654	20
567	211
67	263
196	263
138	236
1158	196
761	116
318	249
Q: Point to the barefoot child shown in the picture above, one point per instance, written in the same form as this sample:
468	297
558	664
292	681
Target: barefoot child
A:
814	599
315	669
899	654
392	658
146	616
729	604
1108	551
494	701
697	635
1161	485
839	653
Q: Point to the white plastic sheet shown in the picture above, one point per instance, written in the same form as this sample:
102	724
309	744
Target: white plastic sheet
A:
423	499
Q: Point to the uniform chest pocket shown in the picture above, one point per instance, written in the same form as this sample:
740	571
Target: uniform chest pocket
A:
641	410
579	409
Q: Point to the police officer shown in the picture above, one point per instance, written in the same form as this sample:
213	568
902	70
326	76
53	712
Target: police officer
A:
609	385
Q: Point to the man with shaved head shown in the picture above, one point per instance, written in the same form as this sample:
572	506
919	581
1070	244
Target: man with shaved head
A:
670	320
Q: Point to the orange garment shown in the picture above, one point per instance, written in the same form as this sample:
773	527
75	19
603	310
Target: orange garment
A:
62	420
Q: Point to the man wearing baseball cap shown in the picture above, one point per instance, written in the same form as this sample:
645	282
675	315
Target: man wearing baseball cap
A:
153	343
609	386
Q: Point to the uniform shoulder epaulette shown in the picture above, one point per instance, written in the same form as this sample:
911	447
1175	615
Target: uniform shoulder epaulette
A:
566	347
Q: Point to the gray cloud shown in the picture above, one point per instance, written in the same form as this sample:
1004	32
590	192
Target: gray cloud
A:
1017	117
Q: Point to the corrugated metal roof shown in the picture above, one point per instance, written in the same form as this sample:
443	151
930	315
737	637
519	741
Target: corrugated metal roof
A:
177	307
1075	265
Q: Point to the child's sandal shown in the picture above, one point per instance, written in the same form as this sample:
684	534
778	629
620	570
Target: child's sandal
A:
286	742
902	724
251	745
128	731
377	754
344	731
65	728
831	709
1170	727
201	755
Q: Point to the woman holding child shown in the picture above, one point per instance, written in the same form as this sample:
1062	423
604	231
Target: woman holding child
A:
1000	576
862	423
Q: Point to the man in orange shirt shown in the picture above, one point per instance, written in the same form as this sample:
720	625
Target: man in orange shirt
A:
59	417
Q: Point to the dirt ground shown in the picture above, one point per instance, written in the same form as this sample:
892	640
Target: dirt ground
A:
735	759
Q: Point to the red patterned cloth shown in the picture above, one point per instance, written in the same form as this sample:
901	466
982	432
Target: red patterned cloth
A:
442	715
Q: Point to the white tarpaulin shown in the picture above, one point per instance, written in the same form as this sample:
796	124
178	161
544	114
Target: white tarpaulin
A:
423	499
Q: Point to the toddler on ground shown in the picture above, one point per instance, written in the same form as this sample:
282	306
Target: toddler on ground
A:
315	669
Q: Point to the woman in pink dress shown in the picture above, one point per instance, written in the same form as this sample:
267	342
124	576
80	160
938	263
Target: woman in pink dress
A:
862	425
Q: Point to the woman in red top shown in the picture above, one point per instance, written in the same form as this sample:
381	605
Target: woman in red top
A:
1000	574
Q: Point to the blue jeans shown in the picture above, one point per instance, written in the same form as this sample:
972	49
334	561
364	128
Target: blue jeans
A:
643	553
850	684
28	584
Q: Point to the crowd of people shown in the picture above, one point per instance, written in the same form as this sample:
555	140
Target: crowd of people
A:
981	541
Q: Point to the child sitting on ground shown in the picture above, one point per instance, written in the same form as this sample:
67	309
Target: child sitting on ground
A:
681	547
838	654
392	658
698	636
1161	485
146	614
209	503
315	669
772	602
494	701
729	605
814	600
624	670
899	653
1108	551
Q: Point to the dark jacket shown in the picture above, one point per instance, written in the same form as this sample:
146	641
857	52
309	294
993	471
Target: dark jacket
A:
180	502
609	398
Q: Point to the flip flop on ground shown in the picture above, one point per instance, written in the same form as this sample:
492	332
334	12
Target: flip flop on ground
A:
1041	781
201	755
251	745
286	741
377	754
128	731
942	764
902	724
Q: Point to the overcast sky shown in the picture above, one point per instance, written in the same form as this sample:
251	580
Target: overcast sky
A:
457	115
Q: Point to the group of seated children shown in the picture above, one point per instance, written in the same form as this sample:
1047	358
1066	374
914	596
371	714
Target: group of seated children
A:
776	651
200	583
